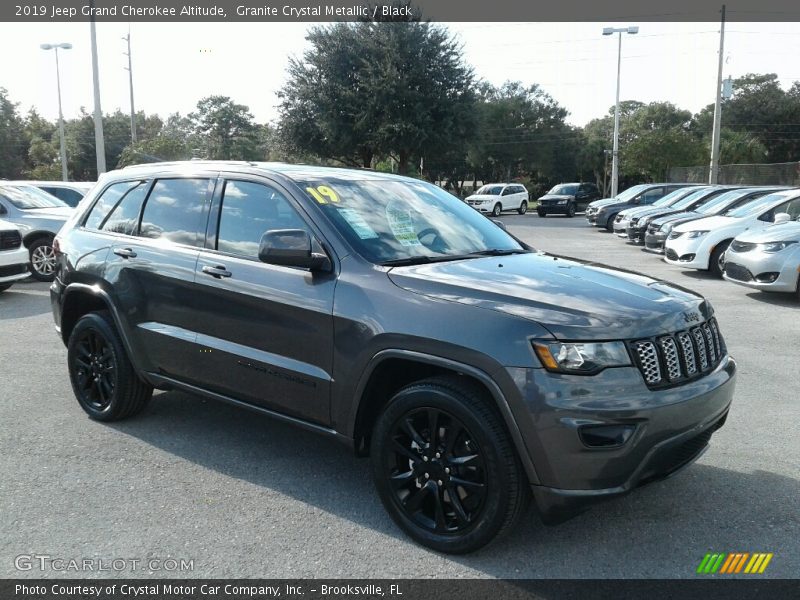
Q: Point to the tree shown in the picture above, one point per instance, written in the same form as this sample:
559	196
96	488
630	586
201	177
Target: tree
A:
13	139
398	89
225	130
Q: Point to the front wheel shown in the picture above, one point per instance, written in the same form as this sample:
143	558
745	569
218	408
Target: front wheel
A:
570	210
43	259
497	210
541	212
4	287
445	468
102	377
716	262
523	207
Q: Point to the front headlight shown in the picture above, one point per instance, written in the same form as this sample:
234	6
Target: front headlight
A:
674	235
695	234
562	202
584	358
775	246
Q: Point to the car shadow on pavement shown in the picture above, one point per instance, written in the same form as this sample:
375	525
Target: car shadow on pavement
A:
18	302
660	530
776	298
699	274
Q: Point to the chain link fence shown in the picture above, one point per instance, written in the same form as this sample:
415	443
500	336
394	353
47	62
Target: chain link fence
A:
754	174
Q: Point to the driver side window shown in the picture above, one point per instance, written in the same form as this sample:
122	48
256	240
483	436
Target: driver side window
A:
248	211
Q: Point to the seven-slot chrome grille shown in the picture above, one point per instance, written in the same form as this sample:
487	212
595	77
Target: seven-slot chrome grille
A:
679	357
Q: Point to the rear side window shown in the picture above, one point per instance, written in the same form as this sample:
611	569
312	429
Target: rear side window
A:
107	201
124	217
651	196
67	195
248	211
176	211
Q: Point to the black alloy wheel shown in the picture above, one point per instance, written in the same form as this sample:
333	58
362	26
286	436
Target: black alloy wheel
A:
103	379
444	466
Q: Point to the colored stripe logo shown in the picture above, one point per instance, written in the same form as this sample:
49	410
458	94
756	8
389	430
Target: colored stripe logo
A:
734	562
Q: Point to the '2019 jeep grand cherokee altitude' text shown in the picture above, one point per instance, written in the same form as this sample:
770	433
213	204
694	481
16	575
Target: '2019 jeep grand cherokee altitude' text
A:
383	312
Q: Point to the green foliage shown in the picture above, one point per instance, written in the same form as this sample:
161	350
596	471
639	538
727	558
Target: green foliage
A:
224	130
13	138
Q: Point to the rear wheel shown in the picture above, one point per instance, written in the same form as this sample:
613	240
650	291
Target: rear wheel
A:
102	377
497	210
445	468
43	259
523	207
716	264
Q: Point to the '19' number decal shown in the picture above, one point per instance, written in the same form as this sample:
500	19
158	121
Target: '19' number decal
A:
323	194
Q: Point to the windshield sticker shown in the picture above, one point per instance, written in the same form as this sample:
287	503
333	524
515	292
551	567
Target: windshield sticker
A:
358	224
323	194
401	224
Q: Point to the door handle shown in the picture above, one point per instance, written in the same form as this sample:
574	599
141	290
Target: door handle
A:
217	271
125	252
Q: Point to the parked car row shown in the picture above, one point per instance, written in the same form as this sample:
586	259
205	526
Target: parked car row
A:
31	213
748	235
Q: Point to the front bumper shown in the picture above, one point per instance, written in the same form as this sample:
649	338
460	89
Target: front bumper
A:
688	252
14	265
671	428
654	241
751	268
635	234
597	219
552	209
621	227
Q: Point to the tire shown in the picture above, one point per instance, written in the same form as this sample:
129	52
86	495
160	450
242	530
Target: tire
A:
523	207
409	469
4	287
43	259
95	346
497	210
541	212
610	223
570	210
716	261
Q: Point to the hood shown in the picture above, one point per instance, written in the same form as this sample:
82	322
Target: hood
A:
59	213
676	216
483	197
574	300
707	223
783	232
6	226
557	197
603	202
641	211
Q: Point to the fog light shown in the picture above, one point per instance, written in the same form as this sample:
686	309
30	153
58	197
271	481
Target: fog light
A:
766	277
605	436
687	258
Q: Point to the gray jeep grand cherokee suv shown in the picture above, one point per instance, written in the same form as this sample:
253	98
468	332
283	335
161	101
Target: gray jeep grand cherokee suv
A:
383	312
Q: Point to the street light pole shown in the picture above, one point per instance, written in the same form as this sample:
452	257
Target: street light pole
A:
127	38
713	173
99	143
63	149
615	150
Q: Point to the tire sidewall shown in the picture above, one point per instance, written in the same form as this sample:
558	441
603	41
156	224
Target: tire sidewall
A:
493	511
713	262
570	210
94	322
497	210
523	207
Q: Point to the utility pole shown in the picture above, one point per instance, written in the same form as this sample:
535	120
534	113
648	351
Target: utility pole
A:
127	38
62	143
713	174
99	143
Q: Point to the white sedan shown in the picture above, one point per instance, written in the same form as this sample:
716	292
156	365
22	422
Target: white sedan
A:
701	244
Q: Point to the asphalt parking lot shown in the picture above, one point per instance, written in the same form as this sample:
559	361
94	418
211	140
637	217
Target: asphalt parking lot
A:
243	496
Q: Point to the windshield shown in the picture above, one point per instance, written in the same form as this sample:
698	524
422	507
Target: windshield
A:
719	203
569	189
755	207
630	193
394	221
490	190
671	198
691	198
26	197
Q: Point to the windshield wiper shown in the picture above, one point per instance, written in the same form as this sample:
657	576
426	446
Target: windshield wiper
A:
497	252
421	260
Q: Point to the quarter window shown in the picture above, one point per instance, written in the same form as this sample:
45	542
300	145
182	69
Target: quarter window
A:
248	211
176	211
107	201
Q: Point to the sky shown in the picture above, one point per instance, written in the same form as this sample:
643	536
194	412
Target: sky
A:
176	65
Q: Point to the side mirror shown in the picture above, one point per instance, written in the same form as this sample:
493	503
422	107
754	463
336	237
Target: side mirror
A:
500	224
291	248
782	218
